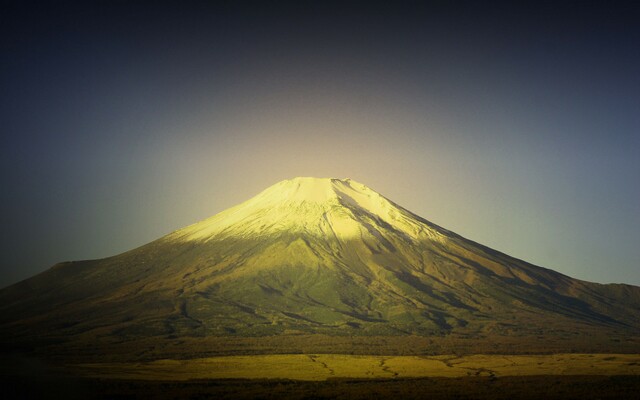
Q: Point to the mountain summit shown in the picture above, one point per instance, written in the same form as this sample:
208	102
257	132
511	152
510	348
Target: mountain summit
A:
327	209
310	256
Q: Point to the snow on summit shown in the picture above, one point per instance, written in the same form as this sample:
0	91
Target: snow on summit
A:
317	206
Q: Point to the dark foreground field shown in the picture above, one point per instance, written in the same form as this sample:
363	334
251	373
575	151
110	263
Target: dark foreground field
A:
329	376
512	387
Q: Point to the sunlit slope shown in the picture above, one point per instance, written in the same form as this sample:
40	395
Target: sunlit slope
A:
316	256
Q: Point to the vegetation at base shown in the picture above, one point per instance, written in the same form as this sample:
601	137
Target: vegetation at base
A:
90	350
311	367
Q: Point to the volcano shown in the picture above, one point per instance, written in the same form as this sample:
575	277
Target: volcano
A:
309	256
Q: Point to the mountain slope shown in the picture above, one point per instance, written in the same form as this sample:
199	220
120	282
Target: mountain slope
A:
310	256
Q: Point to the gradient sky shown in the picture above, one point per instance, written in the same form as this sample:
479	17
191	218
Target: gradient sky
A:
515	126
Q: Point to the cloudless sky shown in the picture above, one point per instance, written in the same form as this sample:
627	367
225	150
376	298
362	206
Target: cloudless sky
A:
517	126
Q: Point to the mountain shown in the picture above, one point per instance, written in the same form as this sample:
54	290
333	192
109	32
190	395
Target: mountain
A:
309	256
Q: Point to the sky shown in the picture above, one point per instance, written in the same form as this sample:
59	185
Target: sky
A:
514	125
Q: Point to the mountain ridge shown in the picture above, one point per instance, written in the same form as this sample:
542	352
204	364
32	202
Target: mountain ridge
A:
312	256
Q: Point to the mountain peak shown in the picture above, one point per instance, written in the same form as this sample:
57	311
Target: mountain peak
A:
304	189
312	206
313	190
